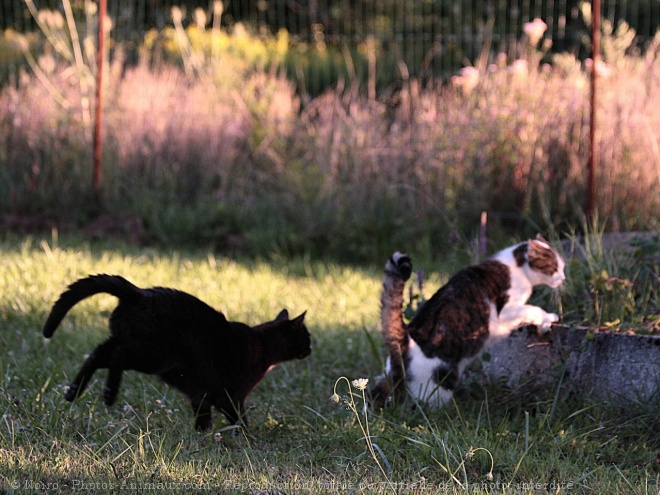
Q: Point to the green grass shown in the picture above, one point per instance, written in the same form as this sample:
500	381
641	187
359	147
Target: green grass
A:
490	441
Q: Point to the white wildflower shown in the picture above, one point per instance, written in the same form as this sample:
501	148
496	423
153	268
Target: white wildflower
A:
467	79
603	69
519	68
217	8
177	15
200	18
361	383
535	30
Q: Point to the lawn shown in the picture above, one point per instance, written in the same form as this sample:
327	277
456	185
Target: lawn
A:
491	440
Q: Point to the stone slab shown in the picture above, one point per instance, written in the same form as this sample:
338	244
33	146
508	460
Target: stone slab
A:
607	366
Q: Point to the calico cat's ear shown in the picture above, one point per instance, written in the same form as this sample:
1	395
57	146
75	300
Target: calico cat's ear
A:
283	316
539	243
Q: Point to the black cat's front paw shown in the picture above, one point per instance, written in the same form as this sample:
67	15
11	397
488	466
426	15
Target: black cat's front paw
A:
399	265
203	422
109	396
72	392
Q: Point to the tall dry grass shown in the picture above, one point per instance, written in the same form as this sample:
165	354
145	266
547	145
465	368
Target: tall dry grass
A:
232	154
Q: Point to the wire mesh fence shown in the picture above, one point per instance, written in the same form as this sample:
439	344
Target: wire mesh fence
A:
432	150
436	36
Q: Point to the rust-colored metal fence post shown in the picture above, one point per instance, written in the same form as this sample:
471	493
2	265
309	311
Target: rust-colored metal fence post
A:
98	142
593	144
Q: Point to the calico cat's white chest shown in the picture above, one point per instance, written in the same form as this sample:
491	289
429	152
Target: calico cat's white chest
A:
500	324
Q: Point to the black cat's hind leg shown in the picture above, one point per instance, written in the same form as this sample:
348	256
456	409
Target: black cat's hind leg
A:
234	410
203	415
99	358
137	357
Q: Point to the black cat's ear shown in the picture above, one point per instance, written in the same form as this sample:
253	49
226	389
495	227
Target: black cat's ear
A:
299	320
283	316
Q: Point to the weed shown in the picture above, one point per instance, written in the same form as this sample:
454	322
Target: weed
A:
361	414
612	284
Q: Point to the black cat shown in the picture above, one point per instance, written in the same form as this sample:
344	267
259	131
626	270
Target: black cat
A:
187	343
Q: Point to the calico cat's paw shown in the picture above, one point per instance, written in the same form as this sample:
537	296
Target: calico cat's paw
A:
399	265
379	393
548	320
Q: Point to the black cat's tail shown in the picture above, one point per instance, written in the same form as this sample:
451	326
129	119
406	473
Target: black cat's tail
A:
395	334
84	288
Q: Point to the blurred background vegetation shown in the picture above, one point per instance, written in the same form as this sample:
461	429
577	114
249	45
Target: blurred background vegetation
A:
431	38
330	128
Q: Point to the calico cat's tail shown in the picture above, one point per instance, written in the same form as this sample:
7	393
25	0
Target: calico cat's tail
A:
397	271
395	334
84	288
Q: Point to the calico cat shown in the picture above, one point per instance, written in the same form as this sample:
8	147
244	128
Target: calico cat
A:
187	343
480	305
